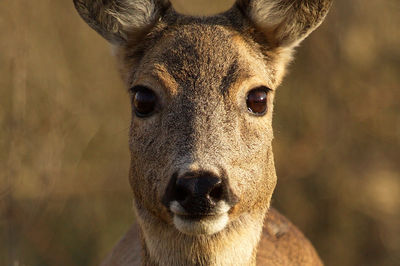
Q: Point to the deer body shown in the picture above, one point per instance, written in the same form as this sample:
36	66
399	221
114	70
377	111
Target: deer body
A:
202	89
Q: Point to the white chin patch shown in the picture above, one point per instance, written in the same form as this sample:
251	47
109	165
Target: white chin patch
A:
205	226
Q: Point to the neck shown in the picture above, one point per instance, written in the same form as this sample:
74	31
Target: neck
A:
163	244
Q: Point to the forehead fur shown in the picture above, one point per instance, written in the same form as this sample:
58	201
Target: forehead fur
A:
191	49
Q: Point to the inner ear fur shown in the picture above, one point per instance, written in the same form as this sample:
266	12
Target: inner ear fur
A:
285	23
116	20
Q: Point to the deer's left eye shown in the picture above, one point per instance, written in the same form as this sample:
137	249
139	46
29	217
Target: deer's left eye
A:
257	100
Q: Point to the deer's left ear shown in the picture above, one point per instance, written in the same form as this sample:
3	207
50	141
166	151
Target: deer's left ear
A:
285	22
115	20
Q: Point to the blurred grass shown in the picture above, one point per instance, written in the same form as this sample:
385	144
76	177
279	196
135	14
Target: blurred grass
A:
64	117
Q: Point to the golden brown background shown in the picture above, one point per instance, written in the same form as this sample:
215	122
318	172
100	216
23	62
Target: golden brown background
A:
64	116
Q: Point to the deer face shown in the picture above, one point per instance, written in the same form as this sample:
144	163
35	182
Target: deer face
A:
201	149
202	94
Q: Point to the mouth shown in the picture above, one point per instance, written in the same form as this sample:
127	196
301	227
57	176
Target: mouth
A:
195	217
200	224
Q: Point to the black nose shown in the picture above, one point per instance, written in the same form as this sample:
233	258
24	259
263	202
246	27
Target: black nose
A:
198	193
202	187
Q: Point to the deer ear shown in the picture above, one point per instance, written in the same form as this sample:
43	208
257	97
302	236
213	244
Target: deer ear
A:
285	22
114	19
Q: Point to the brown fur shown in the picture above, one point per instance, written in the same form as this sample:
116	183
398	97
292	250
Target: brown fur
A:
281	244
201	69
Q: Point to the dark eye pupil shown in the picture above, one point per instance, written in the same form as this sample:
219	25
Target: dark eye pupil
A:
257	100
144	101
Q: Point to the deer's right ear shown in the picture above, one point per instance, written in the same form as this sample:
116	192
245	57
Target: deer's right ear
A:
115	20
285	23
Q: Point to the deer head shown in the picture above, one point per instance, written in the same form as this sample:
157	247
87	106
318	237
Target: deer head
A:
202	92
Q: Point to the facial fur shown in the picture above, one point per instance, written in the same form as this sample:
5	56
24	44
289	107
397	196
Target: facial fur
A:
201	73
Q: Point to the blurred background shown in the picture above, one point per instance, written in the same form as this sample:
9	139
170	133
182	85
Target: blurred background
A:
64	117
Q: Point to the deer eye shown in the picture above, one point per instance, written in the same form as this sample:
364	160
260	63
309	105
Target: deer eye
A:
144	101
257	100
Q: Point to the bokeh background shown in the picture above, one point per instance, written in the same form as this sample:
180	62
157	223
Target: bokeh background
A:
64	116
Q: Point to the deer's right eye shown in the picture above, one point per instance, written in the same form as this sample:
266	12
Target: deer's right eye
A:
144	101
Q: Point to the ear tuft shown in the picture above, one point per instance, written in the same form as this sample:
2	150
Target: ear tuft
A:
114	19
285	22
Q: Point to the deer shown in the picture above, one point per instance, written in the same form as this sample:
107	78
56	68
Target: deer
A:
202	92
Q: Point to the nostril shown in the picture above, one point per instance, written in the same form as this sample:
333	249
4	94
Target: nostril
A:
181	194
216	193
